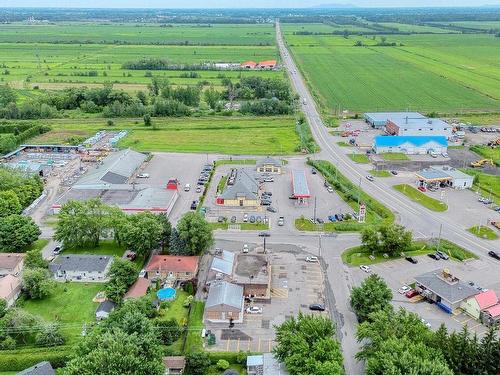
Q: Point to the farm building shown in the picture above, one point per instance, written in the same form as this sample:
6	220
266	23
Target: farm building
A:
172	266
243	193
248	65
475	305
300	189
269	165
379	119
410	145
446	290
81	267
225	303
268	64
418	127
444	175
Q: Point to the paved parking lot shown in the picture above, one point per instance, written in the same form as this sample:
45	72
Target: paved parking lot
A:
400	272
295	284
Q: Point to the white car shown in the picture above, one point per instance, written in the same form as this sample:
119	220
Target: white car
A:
365	268
142	273
370	178
404	289
426	323
143	175
245	248
281	221
254	310
329	189
312	259
245	218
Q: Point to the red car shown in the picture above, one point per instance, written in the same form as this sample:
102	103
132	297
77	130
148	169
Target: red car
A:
422	189
411	293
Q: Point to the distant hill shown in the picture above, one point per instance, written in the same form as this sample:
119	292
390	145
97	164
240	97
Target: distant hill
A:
334	6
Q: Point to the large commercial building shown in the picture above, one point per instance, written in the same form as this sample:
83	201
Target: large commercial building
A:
411	145
444	175
300	189
243	193
379	119
418	126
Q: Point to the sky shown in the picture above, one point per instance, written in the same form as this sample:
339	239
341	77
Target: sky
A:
237	3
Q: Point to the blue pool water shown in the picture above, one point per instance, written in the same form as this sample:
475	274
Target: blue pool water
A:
166	294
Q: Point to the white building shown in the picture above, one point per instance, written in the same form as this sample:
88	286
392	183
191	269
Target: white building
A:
410	145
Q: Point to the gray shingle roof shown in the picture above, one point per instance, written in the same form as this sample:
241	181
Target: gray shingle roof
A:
450	291
224	293
244	186
268	161
106	306
82	262
42	368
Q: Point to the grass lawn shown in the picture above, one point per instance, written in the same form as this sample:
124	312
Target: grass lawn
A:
484	232
359	158
221	184
344	144
395	156
174	309
488	153
340	226
38	244
194	340
357	256
380	173
70	304
487	184
104	248
421	198
235	161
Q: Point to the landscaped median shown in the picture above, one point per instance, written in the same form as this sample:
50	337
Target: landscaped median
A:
380	173
419	197
359	255
243	226
481	231
376	212
359	158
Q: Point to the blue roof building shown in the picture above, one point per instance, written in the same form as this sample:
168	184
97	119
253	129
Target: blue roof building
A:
411	145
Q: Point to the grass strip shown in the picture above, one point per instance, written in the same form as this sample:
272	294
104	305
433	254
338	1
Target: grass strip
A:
422	199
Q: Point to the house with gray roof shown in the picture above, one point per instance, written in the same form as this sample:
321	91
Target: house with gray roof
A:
104	309
42	368
269	165
225	303
81	267
444	288
243	193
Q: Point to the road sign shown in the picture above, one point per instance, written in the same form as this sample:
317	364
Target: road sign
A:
362	213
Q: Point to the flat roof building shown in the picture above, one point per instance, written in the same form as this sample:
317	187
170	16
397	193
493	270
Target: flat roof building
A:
410	145
379	119
225	303
300	189
418	126
444	174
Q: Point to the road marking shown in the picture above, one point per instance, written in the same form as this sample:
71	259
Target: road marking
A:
258	348
227	346
238	346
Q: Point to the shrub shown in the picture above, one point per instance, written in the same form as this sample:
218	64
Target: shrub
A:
222	364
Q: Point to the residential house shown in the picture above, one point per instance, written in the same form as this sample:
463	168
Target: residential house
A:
11	264
104	309
138	289
248	65
491	316
42	368
10	289
480	302
225	303
174	365
81	267
269	165
172	266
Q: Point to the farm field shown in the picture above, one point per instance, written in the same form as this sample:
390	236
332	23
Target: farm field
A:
227	135
444	73
290	28
130	33
481	25
417	28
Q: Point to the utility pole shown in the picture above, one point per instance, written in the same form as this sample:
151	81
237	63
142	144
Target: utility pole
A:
359	192
314	213
264	244
439	238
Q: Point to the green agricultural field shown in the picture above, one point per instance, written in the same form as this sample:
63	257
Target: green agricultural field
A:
227	135
480	25
404	27
425	72
105	33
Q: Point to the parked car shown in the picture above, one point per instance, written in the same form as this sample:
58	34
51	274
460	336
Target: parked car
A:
143	175
370	178
319	221
314	171
395	173
194	204
411	293
312	259
433	256
426	323
281	221
292	197
264	234
245	248
271	209
332	218
268	193
367	269
266	202
268	179
233	219
198	189
258	219
422	189
404	289
187	187
254	310
221	219
494	254
442	255
57	250
411	260
444	154
329	189
142	273
245	218
252	219
317	307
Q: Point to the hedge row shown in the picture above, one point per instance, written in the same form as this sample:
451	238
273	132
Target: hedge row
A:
349	191
18	360
231	357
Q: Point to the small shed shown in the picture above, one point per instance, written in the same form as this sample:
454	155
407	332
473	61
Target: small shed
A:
104	309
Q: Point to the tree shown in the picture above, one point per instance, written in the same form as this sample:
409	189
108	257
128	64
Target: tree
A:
147	119
122	275
17	232
372	295
34	259
37	283
169	331
49	336
176	245
3	307
312	335
195	232
167	230
7	95
143	232
17	323
197	362
9	203
392	240
211	97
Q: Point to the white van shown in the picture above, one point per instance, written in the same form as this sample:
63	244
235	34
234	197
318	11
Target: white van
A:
187	187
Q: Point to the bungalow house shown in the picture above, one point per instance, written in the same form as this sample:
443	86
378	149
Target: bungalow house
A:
225	303
138	289
480	302
248	65
268	64
173	266
269	165
81	267
11	264
42	368
174	365
10	289
104	309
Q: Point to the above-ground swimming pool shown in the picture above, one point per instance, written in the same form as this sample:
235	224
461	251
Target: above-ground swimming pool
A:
166	294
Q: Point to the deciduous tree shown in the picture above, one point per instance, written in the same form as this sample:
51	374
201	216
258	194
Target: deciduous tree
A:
371	296
17	232
142	232
195	233
37	283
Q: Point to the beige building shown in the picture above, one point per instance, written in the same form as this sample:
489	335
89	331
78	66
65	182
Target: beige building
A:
174	365
225	303
244	192
11	264
269	165
10	289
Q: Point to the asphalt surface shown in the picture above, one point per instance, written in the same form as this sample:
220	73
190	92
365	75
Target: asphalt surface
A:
421	221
